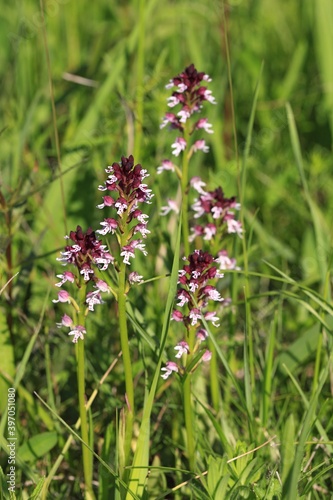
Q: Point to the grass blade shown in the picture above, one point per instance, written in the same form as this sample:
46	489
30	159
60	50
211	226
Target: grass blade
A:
290	488
140	461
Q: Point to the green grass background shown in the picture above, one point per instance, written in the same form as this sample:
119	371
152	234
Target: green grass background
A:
128	51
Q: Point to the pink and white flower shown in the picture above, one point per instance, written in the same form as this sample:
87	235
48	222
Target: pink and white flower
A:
135	277
173	101
102	286
211	316
107	202
171	207
207	356
198	184
63	296
178	146
200	145
166	165
182	348
93	299
170	367
78	333
109	226
203	124
66	276
65	321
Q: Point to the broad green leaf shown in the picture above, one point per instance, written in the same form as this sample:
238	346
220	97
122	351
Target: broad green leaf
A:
217	470
7	361
37	446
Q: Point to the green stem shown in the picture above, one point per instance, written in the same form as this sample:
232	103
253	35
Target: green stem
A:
317	363
188	407
214	381
188	414
129	387
126	360
80	357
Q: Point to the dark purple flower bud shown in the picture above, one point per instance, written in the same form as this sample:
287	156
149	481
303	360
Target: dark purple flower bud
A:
189	94
85	252
177	316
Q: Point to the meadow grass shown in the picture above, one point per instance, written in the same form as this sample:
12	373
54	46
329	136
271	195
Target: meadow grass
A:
84	84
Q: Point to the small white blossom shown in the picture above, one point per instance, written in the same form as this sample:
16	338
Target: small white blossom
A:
66	276
92	299
208	96
173	101
63	296
234	226
135	277
197	183
195	314
184	114
166	165
78	333
65	321
182	348
171	207
200	145
178	146
207	356
169	368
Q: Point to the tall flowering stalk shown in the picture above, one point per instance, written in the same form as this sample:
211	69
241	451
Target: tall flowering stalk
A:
189	95
194	295
217	215
85	255
125	183
124	191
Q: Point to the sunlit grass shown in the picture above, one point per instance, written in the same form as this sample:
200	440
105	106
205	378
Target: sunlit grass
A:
273	348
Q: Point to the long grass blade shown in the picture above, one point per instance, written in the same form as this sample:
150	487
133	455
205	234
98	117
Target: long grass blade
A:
140	461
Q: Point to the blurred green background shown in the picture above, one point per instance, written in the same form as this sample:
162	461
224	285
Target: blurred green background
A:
96	117
109	62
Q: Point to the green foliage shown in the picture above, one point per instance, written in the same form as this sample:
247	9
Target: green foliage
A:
269	435
37	446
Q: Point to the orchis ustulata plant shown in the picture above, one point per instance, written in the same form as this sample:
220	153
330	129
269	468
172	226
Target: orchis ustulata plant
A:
125	183
189	95
215	220
220	220
126	191
86	256
194	295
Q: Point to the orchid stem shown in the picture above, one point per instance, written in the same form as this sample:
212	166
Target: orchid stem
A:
80	356
129	387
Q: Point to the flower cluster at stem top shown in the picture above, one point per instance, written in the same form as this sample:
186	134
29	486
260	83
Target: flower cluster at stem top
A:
189	95
87	255
125	182
195	293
